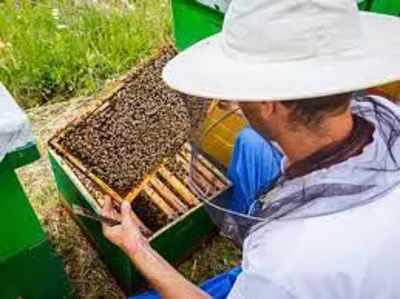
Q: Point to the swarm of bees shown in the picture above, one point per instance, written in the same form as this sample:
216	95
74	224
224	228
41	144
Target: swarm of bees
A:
145	122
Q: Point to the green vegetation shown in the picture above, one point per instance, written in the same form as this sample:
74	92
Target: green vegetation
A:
53	49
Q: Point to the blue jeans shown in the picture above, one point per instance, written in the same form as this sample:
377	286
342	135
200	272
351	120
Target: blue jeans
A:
255	165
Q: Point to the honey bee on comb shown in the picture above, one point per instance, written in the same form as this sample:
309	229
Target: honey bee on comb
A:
146	210
144	123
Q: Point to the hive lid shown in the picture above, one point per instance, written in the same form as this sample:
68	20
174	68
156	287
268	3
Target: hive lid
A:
220	5
15	130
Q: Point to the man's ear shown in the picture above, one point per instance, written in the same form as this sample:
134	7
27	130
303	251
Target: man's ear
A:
268	109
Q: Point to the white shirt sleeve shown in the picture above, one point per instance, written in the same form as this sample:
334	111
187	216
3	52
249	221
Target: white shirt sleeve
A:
250	286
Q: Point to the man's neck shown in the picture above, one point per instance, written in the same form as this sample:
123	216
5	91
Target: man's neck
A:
300	144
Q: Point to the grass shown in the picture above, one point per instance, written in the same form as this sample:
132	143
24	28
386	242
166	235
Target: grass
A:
53	49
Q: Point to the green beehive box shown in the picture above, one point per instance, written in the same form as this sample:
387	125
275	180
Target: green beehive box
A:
29	267
390	7
173	242
195	20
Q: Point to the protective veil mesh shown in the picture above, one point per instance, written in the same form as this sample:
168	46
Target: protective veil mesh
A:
361	179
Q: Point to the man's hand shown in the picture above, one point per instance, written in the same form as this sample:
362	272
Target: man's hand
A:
161	275
127	235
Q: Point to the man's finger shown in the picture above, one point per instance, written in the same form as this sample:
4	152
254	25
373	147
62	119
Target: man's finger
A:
126	211
108	204
108	208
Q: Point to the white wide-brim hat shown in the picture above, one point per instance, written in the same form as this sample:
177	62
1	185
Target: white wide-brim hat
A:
286	50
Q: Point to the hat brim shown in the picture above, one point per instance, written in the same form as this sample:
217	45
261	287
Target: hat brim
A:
204	70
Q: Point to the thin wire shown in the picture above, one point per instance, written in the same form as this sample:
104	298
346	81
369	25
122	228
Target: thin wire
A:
217	122
194	152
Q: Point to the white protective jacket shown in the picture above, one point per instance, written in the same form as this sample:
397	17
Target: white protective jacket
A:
343	245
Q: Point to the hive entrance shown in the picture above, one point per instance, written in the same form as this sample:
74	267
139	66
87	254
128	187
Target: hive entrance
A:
132	147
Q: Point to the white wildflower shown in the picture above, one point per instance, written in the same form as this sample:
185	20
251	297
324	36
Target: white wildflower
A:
56	14
61	26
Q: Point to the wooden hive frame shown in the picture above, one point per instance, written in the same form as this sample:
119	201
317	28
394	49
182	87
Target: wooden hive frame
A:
98	107
204	173
54	142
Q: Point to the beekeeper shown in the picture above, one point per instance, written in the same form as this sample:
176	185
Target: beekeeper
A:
317	174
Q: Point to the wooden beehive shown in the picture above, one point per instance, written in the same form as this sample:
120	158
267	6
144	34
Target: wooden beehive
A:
171	214
187	227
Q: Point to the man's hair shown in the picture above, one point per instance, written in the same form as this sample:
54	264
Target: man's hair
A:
310	113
